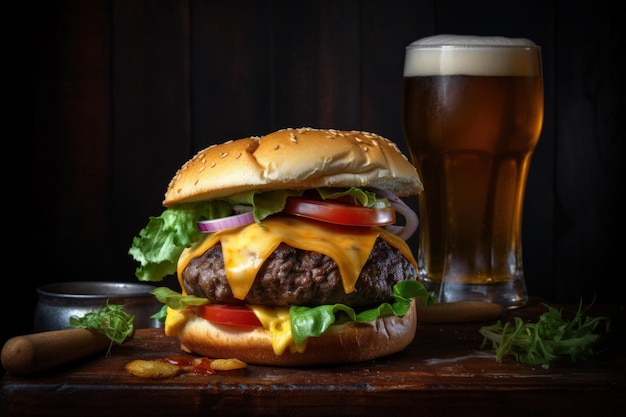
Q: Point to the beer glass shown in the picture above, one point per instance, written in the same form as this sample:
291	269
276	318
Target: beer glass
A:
472	112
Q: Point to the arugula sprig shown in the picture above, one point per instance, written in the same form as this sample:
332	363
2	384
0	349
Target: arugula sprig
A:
111	320
545	341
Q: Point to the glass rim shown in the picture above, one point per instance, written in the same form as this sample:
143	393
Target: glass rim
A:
469	47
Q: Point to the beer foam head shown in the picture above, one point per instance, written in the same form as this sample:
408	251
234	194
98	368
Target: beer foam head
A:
472	55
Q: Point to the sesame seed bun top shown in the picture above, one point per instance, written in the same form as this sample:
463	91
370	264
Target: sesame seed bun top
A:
302	158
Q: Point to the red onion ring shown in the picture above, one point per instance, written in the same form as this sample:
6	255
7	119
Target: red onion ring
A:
410	217
208	226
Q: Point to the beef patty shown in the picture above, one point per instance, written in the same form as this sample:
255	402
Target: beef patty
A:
293	276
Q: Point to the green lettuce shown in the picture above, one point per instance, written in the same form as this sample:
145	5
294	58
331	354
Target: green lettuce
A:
313	321
161	242
363	197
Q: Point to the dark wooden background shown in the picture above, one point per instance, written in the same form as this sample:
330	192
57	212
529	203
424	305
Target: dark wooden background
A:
123	92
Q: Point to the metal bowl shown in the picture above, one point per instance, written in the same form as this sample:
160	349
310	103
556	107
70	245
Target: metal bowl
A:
58	302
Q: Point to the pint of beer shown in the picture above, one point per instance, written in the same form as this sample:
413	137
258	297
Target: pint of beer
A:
472	112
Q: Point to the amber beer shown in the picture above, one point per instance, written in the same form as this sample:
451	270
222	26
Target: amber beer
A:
472	110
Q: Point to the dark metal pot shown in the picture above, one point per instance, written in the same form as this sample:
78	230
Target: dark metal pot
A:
59	301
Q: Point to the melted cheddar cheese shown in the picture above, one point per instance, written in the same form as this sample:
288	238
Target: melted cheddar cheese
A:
277	321
246	248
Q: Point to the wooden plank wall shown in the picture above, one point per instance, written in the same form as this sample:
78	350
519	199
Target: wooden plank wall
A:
123	92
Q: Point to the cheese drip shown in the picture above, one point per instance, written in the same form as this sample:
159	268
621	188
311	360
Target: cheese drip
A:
278	322
245	248
275	319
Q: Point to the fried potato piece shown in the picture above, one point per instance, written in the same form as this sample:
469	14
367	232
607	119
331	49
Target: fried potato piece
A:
227	364
152	369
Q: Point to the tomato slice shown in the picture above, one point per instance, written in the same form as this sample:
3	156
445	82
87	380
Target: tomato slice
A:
340	213
228	314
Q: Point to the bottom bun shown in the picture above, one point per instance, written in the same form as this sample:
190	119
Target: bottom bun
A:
347	343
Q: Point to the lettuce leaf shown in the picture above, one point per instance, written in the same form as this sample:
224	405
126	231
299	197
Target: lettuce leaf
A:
161	242
265	204
176	300
363	197
313	321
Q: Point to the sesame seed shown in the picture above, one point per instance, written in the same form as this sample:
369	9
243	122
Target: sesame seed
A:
238	155
292	137
201	169
276	146
223	155
212	164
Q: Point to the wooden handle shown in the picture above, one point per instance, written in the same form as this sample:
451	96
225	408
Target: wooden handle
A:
28	354
460	311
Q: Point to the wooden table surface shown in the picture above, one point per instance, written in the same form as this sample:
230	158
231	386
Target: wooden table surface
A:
444	372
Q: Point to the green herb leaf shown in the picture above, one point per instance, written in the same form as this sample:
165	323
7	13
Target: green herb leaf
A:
111	320
545	341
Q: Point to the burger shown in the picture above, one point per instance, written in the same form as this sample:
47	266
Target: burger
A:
289	249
